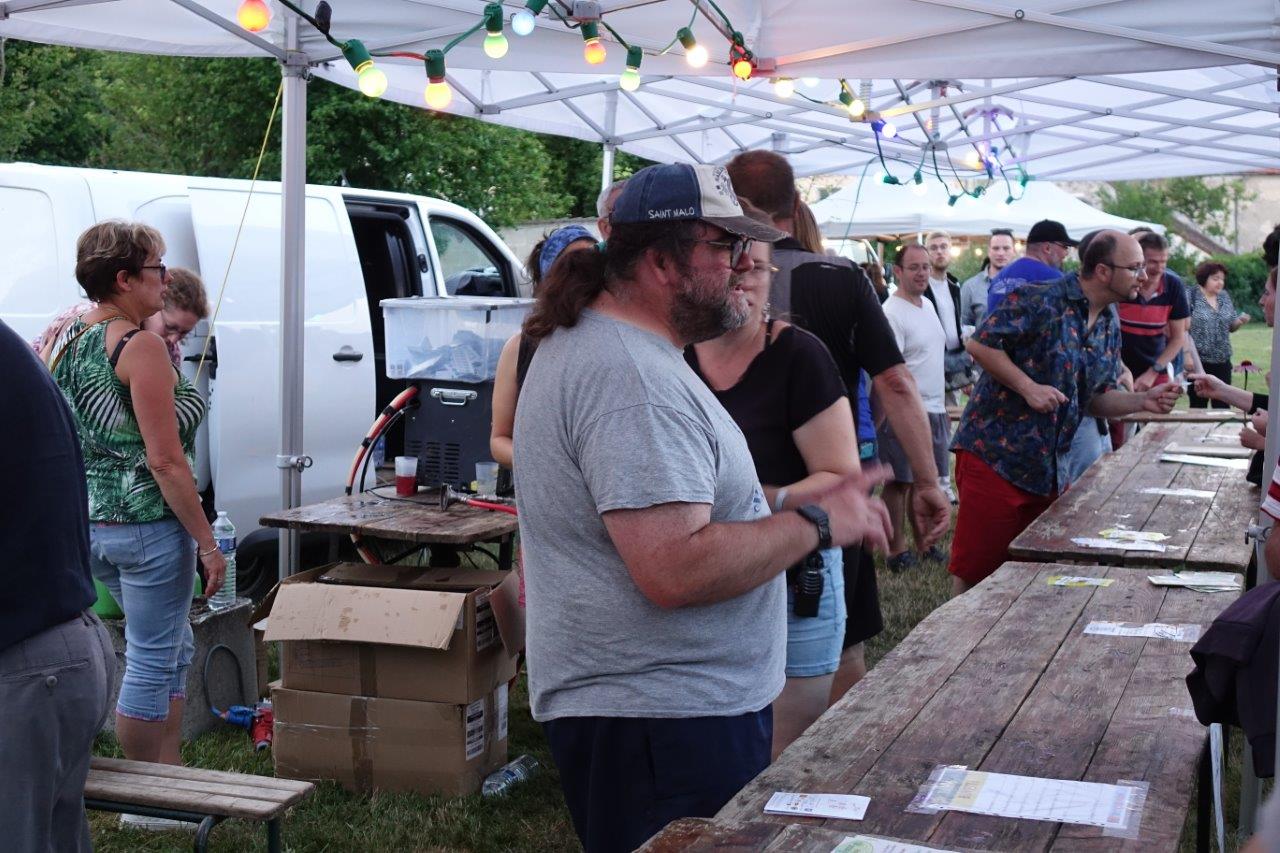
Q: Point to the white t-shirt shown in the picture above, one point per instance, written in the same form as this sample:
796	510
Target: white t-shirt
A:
947	310
921	339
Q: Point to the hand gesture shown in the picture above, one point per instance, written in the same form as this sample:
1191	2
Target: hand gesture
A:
1252	439
1206	385
1044	398
855	515
931	510
1146	381
1258	420
1161	398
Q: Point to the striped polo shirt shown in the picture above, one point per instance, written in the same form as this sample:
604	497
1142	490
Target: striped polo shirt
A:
1143	322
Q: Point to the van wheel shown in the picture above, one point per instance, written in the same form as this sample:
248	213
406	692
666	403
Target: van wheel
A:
256	572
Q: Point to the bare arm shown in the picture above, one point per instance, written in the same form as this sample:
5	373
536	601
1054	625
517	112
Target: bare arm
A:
829	447
1042	398
1113	404
504	403
146	369
898	397
1215	389
678	558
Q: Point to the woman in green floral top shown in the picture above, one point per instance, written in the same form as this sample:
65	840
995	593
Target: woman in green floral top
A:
137	417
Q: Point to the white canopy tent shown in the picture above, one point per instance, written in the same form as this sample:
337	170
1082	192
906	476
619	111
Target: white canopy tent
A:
1069	89
869	207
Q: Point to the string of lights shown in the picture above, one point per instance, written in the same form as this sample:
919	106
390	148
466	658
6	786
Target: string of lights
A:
742	62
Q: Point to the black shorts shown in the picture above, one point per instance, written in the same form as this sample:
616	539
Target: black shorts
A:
861	597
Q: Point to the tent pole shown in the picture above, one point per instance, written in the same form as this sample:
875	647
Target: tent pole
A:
293	180
610	147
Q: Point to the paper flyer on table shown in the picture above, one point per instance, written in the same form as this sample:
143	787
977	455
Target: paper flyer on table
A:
867	844
1117	544
1199	581
1208	461
1179	493
1031	798
1154	630
1078	580
843	806
1125	535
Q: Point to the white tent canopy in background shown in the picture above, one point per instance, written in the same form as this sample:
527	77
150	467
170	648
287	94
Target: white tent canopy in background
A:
878	208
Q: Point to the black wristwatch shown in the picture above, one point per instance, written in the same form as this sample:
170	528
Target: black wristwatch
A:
814	514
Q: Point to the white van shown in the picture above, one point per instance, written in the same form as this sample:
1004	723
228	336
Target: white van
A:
362	246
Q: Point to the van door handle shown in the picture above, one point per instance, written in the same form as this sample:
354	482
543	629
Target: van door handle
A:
347	354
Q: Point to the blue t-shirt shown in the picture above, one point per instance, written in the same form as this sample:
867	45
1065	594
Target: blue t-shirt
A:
1018	273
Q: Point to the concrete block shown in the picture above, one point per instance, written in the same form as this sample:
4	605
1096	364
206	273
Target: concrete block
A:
228	627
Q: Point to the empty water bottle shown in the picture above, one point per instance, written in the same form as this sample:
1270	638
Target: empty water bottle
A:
224	533
500	782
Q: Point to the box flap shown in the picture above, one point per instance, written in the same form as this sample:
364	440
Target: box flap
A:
357	614
264	606
508	613
369	574
459	579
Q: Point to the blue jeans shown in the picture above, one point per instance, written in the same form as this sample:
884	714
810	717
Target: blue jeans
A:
1087	446
814	643
150	570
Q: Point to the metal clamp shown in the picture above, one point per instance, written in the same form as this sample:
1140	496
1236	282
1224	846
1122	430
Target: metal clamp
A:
453	396
301	463
1257	533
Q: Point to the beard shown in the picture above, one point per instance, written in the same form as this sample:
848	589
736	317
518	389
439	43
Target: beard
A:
705	308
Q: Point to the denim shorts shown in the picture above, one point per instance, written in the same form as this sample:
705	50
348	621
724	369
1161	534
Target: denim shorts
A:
150	569
814	643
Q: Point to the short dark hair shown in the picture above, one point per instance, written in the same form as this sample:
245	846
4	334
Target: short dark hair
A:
1153	242
901	254
766	178
1271	247
1001	232
1100	250
1084	243
108	247
1207	269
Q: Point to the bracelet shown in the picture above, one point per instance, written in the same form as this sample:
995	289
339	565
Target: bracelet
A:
779	499
202	554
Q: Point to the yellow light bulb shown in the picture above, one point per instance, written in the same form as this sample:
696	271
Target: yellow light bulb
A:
696	56
742	69
593	52
856	107
372	80
495	45
254	15
438	95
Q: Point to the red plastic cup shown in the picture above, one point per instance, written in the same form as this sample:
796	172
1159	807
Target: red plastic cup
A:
406	475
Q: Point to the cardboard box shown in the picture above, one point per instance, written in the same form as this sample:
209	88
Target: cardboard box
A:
397	632
389	744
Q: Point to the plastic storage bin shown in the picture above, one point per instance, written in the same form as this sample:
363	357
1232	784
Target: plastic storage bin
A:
455	338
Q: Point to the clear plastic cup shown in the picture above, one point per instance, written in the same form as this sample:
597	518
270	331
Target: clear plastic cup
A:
406	475
487	478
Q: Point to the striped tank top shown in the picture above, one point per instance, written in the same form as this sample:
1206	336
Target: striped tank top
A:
120	484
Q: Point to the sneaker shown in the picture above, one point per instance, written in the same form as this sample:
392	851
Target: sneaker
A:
154	824
901	562
936	554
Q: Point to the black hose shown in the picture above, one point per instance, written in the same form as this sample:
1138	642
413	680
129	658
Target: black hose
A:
399	413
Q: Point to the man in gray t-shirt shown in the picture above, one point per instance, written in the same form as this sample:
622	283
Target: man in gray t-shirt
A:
654	570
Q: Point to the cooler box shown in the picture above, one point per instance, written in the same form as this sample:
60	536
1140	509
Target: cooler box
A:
453	339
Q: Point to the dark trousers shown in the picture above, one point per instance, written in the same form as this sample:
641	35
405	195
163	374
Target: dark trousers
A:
624	779
1220	369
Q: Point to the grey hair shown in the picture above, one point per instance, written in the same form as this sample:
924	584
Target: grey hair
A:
602	200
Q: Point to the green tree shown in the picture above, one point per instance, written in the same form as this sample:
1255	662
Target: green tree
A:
1210	205
48	95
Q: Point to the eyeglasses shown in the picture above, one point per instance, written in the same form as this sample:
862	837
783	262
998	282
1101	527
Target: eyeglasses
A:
1066	247
164	270
1135	270
738	246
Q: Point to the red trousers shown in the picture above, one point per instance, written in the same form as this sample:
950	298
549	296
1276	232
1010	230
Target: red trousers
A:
992	513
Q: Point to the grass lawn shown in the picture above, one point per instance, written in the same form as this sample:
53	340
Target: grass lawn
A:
533	818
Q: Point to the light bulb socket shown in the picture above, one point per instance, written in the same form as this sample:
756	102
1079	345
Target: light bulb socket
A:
493	19
687	41
891	180
635	55
951	200
918	177
357	54
535	6
435	65
846	97
877	125
590	31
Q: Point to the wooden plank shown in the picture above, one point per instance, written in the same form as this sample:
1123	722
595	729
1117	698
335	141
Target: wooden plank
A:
1153	735
838	749
175	771
164	796
968	714
694	834
275	797
411	520
1220	543
1055	732
1184	416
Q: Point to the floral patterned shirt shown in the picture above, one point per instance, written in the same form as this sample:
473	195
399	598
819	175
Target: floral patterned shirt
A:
1043	329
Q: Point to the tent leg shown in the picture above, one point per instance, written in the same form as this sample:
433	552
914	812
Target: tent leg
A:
293	179
610	148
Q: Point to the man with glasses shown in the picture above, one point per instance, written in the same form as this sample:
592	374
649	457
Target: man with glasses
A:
973	293
1050	355
1048	245
655	572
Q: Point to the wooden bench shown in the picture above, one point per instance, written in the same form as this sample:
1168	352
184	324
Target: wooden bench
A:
206	797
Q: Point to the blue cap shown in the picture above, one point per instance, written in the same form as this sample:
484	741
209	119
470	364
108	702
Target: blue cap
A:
557	241
680	192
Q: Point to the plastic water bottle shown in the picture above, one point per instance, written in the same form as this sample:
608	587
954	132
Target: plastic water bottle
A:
224	533
500	782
